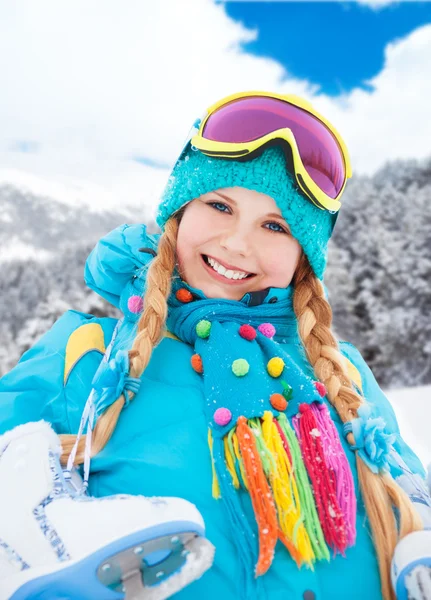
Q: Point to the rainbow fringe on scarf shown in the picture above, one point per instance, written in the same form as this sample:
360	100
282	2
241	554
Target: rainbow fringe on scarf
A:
299	480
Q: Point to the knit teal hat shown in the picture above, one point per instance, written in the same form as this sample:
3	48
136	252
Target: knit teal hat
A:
195	174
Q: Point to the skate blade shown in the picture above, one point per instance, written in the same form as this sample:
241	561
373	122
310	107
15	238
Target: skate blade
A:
151	564
157	569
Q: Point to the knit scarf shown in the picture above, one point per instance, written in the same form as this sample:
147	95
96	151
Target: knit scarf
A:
270	434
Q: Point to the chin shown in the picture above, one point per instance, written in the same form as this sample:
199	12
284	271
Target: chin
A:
213	291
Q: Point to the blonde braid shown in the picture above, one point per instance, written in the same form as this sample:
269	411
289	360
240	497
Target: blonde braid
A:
149	333
379	492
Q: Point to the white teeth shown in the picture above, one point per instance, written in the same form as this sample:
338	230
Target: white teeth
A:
228	273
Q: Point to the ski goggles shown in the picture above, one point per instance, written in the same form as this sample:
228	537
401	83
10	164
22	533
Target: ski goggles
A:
241	126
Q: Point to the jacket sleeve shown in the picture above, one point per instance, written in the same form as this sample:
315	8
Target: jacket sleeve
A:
374	395
34	388
116	258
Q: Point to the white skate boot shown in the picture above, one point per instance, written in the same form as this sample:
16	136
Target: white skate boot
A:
56	544
411	567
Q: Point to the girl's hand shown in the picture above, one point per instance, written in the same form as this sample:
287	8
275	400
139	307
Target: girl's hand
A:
411	567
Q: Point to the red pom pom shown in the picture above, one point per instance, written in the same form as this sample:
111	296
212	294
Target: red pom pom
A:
321	388
184	295
304	407
247	332
196	361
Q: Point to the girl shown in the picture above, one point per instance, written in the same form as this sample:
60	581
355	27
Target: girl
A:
227	386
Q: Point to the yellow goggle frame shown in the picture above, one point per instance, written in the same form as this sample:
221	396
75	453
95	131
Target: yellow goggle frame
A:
283	137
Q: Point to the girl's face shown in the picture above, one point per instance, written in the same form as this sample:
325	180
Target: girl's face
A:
240	232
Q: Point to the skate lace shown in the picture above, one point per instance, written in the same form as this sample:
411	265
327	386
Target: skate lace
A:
87	423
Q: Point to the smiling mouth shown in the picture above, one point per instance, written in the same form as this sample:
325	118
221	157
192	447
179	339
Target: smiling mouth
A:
248	276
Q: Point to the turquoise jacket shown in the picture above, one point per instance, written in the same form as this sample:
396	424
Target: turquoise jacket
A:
160	444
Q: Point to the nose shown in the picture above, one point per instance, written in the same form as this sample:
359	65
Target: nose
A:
236	242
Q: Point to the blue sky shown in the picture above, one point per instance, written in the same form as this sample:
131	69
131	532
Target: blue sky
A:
337	45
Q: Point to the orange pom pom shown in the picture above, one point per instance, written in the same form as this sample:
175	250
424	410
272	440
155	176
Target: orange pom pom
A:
184	295
196	361
278	401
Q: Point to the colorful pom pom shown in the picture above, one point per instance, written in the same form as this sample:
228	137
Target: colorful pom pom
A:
203	328
184	295
222	416
304	407
240	367
321	388
275	366
135	304
196	361
278	401
247	332
287	390
267	329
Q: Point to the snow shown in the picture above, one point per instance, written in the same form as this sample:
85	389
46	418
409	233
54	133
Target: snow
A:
17	249
100	186
412	406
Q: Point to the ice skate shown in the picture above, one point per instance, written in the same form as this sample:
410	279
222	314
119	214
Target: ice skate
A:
411	567
58	544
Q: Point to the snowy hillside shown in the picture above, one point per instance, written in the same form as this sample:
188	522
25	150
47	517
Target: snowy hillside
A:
37	226
412	407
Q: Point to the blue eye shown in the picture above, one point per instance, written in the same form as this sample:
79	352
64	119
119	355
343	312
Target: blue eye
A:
280	228
215	204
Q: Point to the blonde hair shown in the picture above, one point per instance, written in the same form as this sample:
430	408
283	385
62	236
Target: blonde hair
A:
314	314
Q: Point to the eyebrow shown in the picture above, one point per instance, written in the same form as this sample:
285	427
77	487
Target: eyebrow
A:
268	215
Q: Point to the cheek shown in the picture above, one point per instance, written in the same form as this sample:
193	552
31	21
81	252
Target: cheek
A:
183	247
190	237
284	261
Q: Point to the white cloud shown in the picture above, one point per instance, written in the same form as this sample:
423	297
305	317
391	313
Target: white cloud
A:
378	4
86	86
119	79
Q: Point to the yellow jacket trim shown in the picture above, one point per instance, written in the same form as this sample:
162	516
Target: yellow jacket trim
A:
171	335
86	338
354	374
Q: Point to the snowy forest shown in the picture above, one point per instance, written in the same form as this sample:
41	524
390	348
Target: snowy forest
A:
378	275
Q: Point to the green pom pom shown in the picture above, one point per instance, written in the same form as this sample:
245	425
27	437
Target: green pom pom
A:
287	390
203	328
240	367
